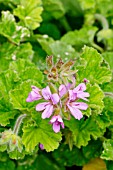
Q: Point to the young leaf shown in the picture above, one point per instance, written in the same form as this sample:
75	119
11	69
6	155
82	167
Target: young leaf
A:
107	153
10	30
29	13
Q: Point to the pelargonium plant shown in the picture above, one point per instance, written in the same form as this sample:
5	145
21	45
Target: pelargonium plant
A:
65	98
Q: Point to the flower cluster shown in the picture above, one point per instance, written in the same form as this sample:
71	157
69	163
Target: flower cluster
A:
64	100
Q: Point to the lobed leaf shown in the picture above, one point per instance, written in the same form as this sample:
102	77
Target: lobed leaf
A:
41	133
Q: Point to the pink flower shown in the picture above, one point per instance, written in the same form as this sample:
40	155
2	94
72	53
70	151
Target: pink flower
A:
75	107
57	122
41	146
48	107
34	94
78	92
63	89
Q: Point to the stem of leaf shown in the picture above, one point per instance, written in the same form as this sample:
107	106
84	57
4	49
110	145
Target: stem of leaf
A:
102	20
18	123
97	47
108	94
65	23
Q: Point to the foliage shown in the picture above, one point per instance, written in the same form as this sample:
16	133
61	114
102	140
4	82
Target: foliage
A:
79	36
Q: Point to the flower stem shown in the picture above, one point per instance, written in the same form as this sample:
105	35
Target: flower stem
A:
18	123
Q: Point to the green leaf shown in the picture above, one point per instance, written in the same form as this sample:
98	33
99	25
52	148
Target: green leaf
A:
29	13
26	70
8	80
10	30
19	95
87	4
93	149
65	157
107	153
108	56
80	37
16	154
6	112
40	133
57	48
54	8
7	165
10	52
72	8
44	163
91	68
95	99
83	130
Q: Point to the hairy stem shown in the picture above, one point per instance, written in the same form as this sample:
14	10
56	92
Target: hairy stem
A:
108	94
102	20
18	123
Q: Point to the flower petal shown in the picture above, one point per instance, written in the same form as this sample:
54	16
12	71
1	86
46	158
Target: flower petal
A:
46	93
75	112
53	119
72	96
42	106
80	87
62	90
62	124
55	98
47	112
56	127
83	95
79	105
34	94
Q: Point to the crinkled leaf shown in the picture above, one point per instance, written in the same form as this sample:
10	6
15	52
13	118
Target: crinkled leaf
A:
10	30
82	130
8	80
107	153
95	102
6	112
26	70
13	53
19	95
108	100
92	69
29	13
16	154
42	133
